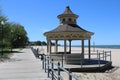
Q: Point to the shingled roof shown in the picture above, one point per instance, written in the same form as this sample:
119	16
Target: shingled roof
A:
67	12
69	27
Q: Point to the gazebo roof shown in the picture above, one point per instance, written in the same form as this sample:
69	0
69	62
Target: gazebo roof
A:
68	29
67	12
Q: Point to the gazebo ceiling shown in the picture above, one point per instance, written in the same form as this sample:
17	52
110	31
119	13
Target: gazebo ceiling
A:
68	29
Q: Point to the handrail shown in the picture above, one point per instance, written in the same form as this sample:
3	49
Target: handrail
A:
50	65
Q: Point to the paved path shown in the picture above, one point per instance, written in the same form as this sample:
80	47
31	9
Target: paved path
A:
22	66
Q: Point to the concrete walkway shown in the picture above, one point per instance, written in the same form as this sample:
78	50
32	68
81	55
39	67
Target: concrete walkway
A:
22	66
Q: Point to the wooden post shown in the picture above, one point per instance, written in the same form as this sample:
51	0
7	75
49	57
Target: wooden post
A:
47	46
103	55
52	70
70	46
97	54
65	49
89	51
58	71
99	61
81	62
70	77
45	63
82	54
48	65
62	59
56	46
110	55
50	46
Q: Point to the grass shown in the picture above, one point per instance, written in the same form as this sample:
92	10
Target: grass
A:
6	54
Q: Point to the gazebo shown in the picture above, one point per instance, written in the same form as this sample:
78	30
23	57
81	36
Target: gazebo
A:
68	30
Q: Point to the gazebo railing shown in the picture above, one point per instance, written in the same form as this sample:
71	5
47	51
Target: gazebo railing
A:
99	56
103	55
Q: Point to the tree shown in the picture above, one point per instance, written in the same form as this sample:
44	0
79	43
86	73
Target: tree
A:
12	34
38	43
44	43
19	35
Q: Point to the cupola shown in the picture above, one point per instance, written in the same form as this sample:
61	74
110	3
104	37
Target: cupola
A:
67	17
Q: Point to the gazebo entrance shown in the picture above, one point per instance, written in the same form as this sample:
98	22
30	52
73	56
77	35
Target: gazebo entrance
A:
68	47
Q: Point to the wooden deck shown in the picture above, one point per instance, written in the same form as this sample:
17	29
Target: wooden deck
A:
76	64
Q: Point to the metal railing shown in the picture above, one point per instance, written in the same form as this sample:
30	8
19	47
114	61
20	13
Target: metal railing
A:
103	55
55	69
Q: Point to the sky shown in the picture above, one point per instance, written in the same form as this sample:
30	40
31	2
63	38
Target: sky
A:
38	16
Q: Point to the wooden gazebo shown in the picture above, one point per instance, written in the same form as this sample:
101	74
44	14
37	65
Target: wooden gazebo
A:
68	30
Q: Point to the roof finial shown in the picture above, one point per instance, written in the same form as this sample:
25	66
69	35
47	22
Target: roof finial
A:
68	10
67	7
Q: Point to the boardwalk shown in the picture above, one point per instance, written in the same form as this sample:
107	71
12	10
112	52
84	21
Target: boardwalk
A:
22	66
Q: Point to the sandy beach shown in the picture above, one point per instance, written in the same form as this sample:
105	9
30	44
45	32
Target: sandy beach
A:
113	74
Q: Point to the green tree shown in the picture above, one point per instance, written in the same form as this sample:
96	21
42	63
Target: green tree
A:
19	35
38	42
44	43
12	34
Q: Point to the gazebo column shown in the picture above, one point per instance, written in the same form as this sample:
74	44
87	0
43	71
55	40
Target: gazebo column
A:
56	46
70	46
82	54
89	51
49	46
65	48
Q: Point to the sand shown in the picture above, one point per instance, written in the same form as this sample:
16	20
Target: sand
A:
113	74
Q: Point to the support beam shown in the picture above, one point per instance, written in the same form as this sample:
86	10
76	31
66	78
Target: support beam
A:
82	49
65	48
56	46
47	46
70	46
50	46
89	51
